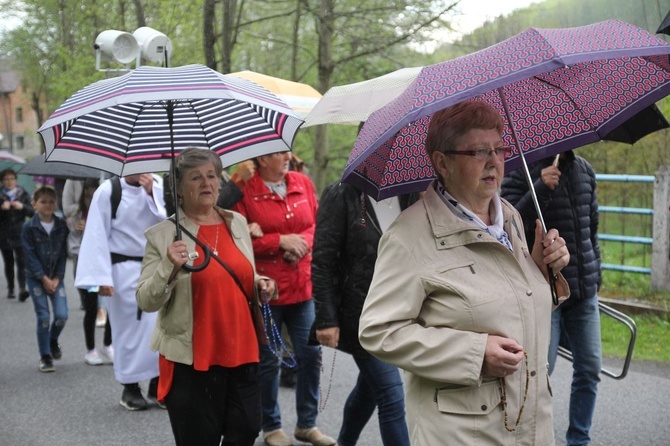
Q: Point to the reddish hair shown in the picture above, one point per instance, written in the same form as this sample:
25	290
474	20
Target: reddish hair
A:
447	126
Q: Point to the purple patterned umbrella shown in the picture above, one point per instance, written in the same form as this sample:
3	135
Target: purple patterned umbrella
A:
557	89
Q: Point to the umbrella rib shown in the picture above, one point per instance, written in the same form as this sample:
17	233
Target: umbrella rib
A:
577	107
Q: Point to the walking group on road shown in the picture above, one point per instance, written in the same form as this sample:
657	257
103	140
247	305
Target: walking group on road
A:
390	282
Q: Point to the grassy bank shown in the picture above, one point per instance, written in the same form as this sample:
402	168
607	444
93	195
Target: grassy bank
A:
651	343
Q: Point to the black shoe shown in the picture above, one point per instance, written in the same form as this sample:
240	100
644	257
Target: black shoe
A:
46	364
10	294
287	377
152	393
56	352
23	296
132	398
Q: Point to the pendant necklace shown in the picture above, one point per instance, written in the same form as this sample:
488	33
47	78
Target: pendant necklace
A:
216	241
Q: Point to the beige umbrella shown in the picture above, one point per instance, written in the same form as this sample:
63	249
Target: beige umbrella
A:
300	97
353	103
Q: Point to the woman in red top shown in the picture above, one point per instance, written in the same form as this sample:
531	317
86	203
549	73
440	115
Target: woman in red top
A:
283	204
205	331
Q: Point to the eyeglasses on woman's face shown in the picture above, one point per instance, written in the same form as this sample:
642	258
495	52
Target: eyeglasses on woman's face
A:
483	153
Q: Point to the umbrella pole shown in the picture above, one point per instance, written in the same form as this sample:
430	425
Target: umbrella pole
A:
169	108
524	165
531	189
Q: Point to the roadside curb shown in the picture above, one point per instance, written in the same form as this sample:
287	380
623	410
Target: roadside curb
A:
636	308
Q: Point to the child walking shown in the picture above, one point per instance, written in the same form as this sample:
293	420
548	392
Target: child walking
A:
76	223
44	240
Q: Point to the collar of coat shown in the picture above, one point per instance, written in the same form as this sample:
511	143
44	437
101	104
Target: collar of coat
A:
256	187
451	231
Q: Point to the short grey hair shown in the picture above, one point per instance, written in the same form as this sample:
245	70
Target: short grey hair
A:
193	157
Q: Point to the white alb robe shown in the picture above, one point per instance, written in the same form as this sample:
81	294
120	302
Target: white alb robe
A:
133	359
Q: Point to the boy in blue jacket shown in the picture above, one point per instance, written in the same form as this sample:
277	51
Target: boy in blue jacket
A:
44	240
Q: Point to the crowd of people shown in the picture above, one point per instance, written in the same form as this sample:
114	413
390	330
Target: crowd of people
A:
199	275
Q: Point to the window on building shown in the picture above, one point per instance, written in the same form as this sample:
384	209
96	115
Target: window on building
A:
19	114
20	143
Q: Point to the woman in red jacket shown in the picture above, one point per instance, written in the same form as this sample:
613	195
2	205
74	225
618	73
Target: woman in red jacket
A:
280	206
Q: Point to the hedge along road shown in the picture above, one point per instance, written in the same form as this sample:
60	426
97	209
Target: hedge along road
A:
79	404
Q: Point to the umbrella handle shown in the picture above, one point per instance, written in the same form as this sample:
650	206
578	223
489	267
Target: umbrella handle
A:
205	249
203	265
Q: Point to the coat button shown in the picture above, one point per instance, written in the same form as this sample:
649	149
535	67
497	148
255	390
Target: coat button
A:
479	235
532	373
529	292
442	242
484	407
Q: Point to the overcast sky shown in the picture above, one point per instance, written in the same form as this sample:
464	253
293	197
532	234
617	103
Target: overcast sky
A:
476	12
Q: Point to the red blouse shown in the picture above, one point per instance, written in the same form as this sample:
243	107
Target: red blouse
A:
223	331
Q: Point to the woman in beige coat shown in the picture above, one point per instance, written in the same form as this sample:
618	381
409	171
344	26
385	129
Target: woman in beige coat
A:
459	302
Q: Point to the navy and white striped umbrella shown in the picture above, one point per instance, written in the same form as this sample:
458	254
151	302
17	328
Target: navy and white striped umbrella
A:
122	125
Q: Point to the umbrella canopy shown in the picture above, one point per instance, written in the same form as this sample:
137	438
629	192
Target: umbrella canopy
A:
353	103
300	97
664	27
648	121
556	89
39	166
10	161
9	157
135	123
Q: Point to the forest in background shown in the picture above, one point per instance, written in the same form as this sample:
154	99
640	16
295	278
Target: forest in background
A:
320	42
324	43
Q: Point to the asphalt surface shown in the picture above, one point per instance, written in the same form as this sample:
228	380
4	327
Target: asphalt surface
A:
79	404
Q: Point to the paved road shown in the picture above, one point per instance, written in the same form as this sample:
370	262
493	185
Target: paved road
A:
78	404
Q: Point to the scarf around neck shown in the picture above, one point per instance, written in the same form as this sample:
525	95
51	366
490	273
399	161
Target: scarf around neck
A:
495	229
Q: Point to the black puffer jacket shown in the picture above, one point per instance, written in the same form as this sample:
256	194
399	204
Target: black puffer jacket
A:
343	260
572	209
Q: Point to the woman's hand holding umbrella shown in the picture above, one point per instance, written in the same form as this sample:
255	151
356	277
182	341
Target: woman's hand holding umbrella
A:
177	252
549	250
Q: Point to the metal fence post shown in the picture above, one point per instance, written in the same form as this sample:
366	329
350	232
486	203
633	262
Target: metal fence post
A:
660	253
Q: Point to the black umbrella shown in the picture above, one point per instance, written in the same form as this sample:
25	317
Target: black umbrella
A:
645	122
664	27
38	166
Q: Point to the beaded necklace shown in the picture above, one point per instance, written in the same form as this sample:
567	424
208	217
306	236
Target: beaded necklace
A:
503	396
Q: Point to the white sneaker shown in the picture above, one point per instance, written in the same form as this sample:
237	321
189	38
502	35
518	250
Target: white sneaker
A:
108	353
92	358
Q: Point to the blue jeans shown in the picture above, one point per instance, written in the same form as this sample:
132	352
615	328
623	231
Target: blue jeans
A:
298	319
378	385
579	323
41	305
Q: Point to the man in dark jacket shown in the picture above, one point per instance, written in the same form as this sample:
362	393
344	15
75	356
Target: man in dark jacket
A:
566	192
348	228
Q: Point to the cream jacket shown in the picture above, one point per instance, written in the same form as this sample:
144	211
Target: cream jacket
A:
173	333
440	287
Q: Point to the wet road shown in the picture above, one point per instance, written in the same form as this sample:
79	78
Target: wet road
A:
79	404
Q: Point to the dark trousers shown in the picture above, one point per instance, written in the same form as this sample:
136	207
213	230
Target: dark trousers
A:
221	402
90	301
11	257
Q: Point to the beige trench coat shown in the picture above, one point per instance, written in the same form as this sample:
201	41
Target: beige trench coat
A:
440	287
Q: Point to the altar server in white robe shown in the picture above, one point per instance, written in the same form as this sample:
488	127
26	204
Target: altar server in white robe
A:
110	258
